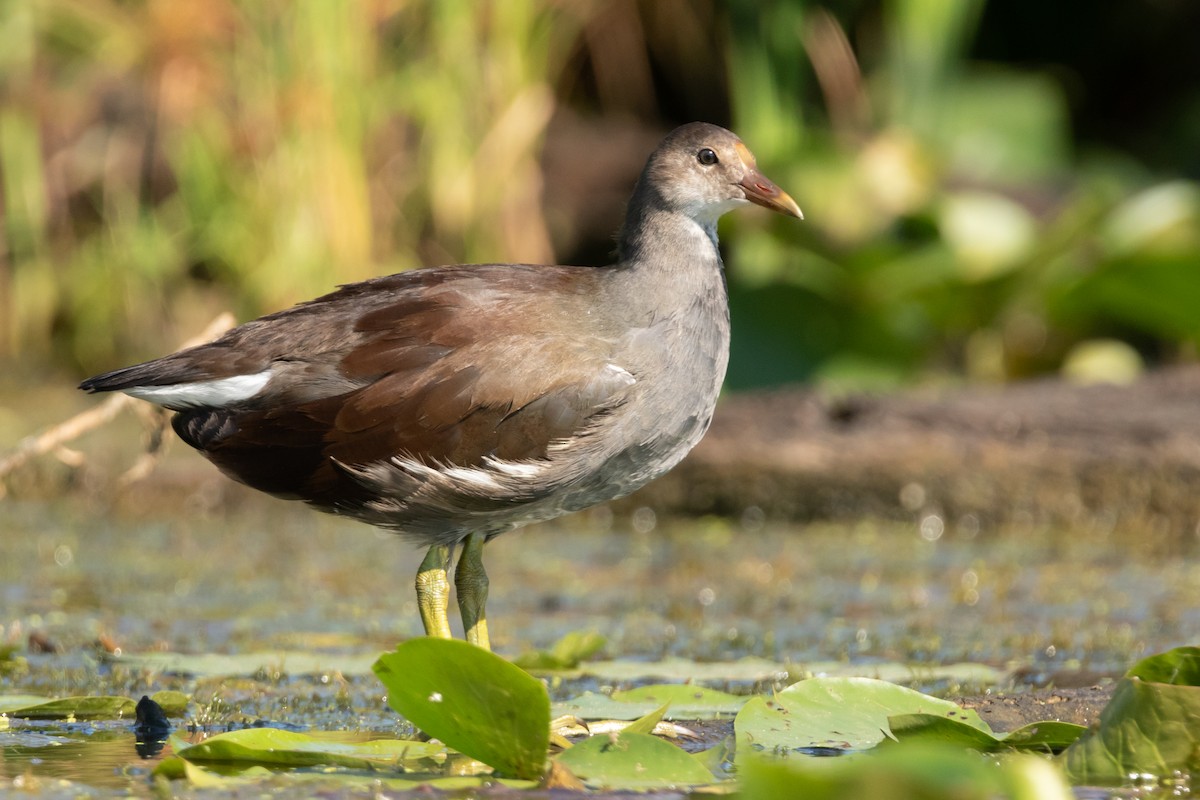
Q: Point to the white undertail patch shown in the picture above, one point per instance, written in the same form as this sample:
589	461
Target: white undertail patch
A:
204	394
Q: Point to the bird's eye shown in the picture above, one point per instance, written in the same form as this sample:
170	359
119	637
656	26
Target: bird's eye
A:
707	157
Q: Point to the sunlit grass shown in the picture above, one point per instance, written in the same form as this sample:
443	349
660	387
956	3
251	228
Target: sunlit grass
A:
161	161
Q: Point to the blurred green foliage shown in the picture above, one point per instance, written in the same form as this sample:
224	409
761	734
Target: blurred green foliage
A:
952	227
166	159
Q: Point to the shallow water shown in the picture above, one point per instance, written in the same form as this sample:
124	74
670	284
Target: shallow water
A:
276	577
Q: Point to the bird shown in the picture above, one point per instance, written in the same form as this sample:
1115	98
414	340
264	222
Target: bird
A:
452	404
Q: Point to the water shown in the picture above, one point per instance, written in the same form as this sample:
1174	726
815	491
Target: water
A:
276	577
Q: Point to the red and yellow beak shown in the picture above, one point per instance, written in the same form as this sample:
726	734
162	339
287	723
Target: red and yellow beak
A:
761	190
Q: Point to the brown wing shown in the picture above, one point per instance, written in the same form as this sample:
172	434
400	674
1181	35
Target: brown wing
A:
427	385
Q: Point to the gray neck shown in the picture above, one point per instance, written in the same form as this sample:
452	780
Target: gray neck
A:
672	284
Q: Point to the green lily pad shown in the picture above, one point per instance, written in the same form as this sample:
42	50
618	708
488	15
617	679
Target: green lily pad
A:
647	723
28	707
633	761
274	747
760	670
719	758
1050	736
13	702
1178	667
838	713
595	706
681	695
745	670
173	704
566	654
911	770
471	699
686	702
175	768
178	768
902	673
221	665
1150	727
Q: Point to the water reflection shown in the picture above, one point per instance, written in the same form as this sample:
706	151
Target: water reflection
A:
103	757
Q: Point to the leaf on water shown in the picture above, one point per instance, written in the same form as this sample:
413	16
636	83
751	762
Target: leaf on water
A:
446	783
221	665
1049	736
914	769
686	702
745	670
595	706
760	670
173	704
12	702
903	673
1150	727
67	707
837	713
1178	667
647	723
271	746
176	768
173	768
681	695
566	654
28	706
633	761
471	699
718	758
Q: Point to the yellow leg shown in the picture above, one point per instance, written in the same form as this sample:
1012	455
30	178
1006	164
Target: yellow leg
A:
471	582
433	591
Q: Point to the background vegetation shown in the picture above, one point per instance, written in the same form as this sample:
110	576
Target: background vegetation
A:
993	190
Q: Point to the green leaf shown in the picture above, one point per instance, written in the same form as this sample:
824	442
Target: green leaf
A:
271	746
1051	735
745	670
471	699
1151	726
683	696
225	665
1178	667
12	702
633	761
68	707
840	713
1045	736
566	654
175	768
760	670
647	723
912	770
173	704
687	702
718	758
937	728
594	706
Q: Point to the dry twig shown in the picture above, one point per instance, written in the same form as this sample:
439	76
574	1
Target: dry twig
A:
55	439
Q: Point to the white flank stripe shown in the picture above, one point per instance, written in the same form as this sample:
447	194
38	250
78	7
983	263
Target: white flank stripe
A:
515	469
211	394
476	477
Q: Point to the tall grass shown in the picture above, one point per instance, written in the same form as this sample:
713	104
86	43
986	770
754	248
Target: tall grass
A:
161	160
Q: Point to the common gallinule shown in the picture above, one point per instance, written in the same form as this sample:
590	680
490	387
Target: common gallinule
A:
455	403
